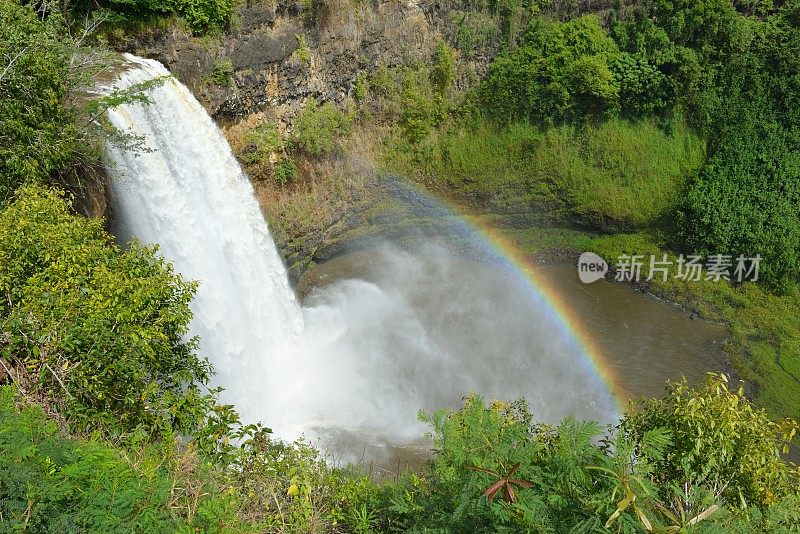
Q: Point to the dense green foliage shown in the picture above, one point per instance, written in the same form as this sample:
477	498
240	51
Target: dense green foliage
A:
560	71
37	133
718	440
222	72
731	77
655	74
201	16
286	171
746	199
100	327
699	453
52	484
700	459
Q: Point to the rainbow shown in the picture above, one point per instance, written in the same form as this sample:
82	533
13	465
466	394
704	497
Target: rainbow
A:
542	292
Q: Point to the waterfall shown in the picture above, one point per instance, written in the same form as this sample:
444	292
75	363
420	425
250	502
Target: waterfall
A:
184	190
417	332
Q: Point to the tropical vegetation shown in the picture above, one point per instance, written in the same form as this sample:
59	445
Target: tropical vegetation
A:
669	126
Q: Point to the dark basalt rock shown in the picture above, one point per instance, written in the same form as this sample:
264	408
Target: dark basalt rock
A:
343	39
257	50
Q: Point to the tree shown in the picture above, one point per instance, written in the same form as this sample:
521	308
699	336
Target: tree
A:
746	199
718	440
37	133
560	72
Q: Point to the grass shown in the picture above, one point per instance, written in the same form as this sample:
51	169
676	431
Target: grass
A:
614	175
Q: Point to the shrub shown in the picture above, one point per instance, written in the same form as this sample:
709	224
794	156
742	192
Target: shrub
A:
204	15
700	460
654	73
710	26
222	72
421	110
262	142
53	482
289	488
317	128
746	198
361	88
303	51
442	72
383	80
719	440
99	328
286	171
642	86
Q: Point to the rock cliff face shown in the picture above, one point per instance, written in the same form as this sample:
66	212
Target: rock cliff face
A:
278	54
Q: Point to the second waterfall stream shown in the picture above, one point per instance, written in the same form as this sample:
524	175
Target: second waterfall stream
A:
365	356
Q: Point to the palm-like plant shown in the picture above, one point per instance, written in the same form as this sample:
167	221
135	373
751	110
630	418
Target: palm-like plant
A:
503	483
624	479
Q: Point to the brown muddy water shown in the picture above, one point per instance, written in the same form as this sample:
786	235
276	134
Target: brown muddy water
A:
479	312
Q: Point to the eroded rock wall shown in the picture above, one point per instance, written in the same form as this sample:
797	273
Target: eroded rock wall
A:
276	55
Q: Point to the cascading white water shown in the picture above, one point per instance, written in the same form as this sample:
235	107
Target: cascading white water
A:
185	191
366	355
